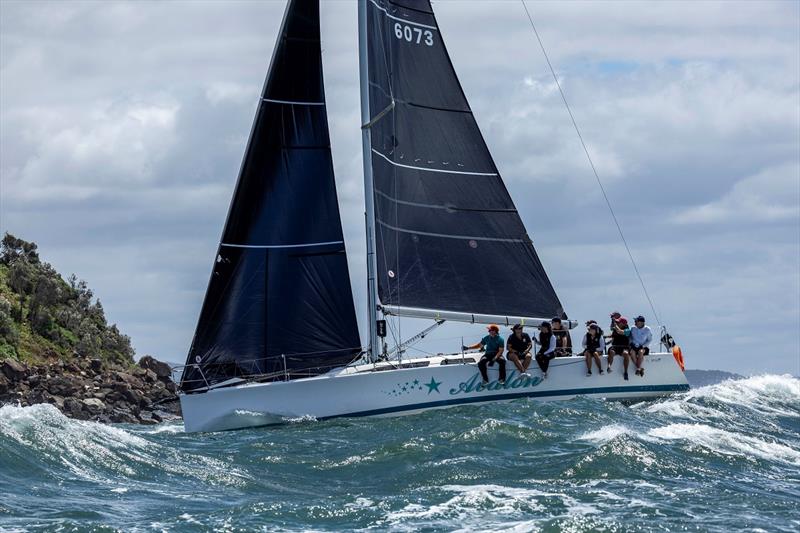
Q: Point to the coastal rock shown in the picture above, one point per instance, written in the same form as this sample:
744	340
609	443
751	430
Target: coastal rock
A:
94	404
87	390
14	370
161	369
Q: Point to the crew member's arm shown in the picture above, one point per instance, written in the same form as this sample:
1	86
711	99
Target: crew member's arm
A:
473	346
602	346
509	348
550	349
648	338
499	354
562	340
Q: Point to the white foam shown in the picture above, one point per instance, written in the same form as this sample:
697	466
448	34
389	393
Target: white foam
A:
302	419
490	507
726	442
769	393
169	427
100	452
606	433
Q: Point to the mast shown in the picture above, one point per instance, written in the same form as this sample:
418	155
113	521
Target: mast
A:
369	198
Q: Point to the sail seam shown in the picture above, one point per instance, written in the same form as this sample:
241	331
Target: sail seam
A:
447	236
442	206
405	21
270	246
435	169
290	102
409	8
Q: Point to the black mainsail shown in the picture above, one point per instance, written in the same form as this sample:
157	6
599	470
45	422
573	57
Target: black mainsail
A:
279	300
447	234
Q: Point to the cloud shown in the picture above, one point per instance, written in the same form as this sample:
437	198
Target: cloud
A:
111	145
771	195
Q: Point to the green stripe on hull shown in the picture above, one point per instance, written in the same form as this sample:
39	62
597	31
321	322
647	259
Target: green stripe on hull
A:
531	394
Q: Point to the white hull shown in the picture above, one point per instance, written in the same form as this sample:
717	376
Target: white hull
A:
444	381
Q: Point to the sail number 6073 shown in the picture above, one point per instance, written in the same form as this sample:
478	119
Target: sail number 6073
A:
413	35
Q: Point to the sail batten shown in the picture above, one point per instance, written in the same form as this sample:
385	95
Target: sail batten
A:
448	235
279	301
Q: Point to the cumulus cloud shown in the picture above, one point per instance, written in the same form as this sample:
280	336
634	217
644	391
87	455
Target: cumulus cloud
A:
123	126
770	195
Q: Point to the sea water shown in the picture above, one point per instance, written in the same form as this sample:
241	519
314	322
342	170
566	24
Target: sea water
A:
719	458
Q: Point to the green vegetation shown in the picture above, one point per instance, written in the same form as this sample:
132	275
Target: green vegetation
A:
43	316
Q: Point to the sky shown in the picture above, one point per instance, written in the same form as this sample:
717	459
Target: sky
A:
123	124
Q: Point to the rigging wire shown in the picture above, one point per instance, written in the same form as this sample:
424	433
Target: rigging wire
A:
591	163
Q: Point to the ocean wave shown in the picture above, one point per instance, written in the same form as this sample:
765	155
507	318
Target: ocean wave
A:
606	433
769	395
489	507
46	439
727	443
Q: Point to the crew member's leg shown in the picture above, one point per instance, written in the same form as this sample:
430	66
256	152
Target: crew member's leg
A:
640	359
599	362
611	354
501	363
543	361
482	367
514	358
527	362
588	355
626	355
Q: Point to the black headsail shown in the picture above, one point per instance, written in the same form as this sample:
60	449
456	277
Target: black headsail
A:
448	236
280	288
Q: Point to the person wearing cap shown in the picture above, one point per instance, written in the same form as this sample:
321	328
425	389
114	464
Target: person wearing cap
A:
547	347
519	346
620	342
563	338
593	347
641	337
492	344
615	315
590	322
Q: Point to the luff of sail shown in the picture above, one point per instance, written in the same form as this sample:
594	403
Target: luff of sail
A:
279	300
448	236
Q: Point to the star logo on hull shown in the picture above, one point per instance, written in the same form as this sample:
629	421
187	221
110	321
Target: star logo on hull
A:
433	386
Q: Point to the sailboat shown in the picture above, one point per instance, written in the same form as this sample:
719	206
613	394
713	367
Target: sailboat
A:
277	337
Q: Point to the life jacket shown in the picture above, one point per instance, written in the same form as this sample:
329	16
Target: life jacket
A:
563	333
592	343
544	341
619	339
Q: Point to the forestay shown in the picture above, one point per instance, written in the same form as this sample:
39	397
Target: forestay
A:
448	236
280	289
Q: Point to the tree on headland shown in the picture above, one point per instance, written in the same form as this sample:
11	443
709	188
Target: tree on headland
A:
12	248
42	315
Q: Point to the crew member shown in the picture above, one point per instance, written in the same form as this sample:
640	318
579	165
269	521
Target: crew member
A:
620	341
492	344
593	347
563	338
519	346
547	347
641	337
